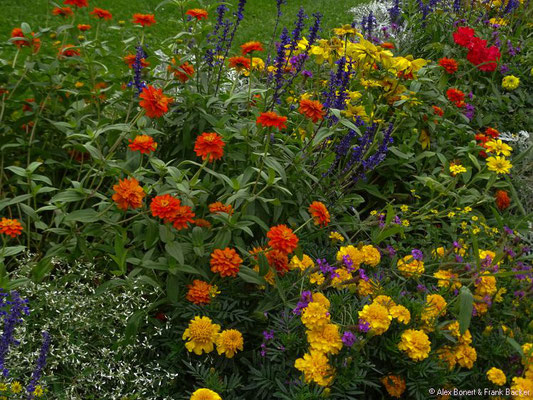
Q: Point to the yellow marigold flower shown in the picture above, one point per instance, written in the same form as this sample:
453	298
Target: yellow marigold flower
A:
371	255
377	316
498	147
510	82
527	349
447	279
365	288
201	335
317	278
465	338
485	284
409	267
356	255
496	376
435	307
416	344
438	252
498	164
447	355
498	21
521	386
395	385
303	264
315	367
336	237
400	313
315	315
456	169
205	394
321	299
327	339
342	275
465	355
16	387
384	301
480	305
229	341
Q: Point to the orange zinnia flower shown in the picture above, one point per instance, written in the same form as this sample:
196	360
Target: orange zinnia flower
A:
492	132
282	238
249	47
200	292
218	207
312	109
270	118
456	96
128	194
181	72
449	65
17	32
502	199
84	27
438	111
165	206
144	19
63	11
278	260
202	223
387	45
77	3
143	143
10	227
182	218
225	262
209	144
197	13
154	101
239	63
130	59
101	13
69	50
319	213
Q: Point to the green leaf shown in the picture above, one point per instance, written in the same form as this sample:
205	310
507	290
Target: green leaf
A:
250	276
264	267
384	234
67	196
11	251
515	345
466	305
175	251
86	215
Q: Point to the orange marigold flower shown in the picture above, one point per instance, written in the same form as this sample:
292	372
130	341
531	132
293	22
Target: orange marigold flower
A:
165	206
387	45
250	47
84	27
143	143
128	194
282	238
209	144
68	50
63	11
320	213
154	101
77	3
10	227
270	118
225	262
502	199
182	72
219	207
197	13
200	292
312	109
130	59
101	13
182	218
278	260
239	63
438	111
202	223
449	65
144	19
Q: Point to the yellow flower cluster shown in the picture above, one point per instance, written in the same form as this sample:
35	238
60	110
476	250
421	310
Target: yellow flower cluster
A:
303	264
447	279
416	344
462	353
409	267
435	307
205	394
496	376
324	338
202	335
380	313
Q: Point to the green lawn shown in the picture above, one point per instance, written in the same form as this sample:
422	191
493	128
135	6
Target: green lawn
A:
258	23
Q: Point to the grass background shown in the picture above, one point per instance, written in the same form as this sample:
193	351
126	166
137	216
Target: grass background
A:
258	23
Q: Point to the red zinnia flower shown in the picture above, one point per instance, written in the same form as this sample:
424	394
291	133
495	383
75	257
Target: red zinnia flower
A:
282	238
387	45
502	199
84	27
438	111
449	65
165	206
225	262
270	118
320	213
202	223
143	143
456	96
182	72
10	227
218	207
182	217
197	13
463	36
278	260
492	132
485	58
101	13
249	47
154	101
68	50
63	11
128	193
239	63
144	19
130	60
17	32
209	144
77	3
312	109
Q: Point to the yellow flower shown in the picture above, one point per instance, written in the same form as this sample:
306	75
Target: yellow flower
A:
315	367
38	392
405	222
465	355
498	164
456	169
510	82
365	288
317	278
229	341
303	264
371	255
16	387
521	386
342	275
395	385
485	284
377	316
409	267
201	335
527	349
205	394
3	387
373	212
326	340
400	313
321	299
404	208
416	344
356	256
435	307
498	21
315	315
451	214
345	30
496	376
498	147
465	338
446	278
336	236
78	85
